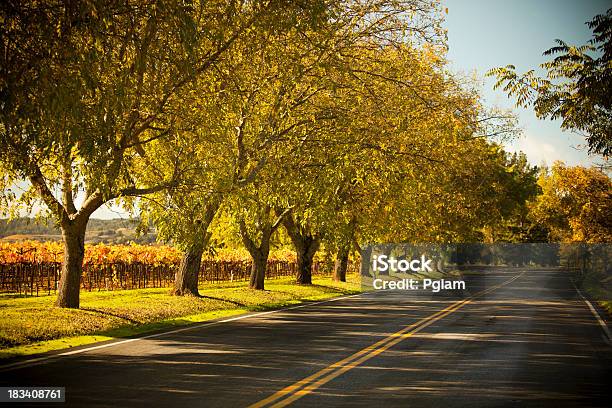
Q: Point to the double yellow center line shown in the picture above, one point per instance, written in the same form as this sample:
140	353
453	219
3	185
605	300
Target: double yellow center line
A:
305	386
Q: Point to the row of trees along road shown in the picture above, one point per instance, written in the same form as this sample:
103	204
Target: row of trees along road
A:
337	121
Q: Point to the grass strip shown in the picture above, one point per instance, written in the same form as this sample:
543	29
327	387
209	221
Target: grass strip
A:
32	325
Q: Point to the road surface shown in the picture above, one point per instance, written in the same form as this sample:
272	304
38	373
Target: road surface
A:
515	339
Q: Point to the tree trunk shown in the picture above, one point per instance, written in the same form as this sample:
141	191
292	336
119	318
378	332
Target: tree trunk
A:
304	269
258	271
259	252
365	263
305	256
186	280
259	256
306	245
341	264
72	267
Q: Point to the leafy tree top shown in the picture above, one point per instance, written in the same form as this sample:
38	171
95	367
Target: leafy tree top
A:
577	87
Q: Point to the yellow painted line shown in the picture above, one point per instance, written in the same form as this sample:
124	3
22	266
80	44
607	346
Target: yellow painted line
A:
334	370
309	388
338	364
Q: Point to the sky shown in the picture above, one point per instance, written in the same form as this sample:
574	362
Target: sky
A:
493	33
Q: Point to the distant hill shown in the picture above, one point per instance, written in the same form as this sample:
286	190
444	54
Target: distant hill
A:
115	231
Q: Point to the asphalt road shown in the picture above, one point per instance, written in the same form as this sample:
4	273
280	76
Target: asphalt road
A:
529	342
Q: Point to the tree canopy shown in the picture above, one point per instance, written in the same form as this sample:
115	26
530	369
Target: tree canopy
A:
577	88
575	204
319	124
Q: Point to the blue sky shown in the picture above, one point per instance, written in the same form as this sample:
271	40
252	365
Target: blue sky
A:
492	33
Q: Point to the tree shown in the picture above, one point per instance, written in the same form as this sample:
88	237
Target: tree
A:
201	154
330	160
238	117
406	160
575	204
272	86
282	80
259	249
577	87
514	183
420	168
250	211
87	86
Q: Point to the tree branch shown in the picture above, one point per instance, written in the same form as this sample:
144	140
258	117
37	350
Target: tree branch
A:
279	218
38	181
67	197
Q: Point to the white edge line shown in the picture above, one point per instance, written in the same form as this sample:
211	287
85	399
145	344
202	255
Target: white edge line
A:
601	322
42	360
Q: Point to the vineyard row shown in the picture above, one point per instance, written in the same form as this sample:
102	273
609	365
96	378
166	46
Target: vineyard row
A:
36	278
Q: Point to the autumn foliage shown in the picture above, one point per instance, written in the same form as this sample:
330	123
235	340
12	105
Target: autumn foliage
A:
153	255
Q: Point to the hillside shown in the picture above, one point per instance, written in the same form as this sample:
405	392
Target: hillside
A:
114	231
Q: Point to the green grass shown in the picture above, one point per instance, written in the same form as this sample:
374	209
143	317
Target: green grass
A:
32	325
599	289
